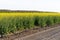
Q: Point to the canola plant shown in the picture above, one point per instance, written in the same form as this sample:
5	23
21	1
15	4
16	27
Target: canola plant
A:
13	22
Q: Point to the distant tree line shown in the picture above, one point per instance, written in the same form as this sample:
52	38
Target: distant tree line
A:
23	11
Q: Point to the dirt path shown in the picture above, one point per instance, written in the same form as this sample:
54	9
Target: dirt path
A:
50	34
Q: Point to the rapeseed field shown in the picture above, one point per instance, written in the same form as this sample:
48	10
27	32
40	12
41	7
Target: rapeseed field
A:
13	22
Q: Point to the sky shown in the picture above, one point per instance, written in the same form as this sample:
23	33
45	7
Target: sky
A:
39	5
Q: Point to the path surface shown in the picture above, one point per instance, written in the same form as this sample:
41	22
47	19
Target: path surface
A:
50	34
